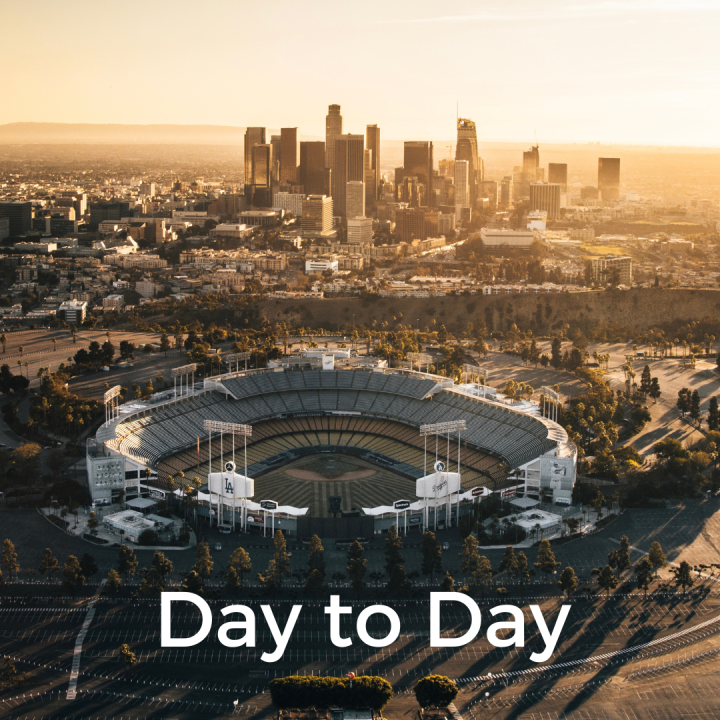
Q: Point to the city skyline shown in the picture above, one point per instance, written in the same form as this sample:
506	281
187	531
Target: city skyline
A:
578	72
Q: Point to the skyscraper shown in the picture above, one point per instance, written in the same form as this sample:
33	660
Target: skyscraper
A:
372	143
253	136
557	173
317	215
276	149
19	215
288	155
462	187
333	129
418	162
258	191
312	173
369	179
609	178
355	199
467	149
349	165
546	197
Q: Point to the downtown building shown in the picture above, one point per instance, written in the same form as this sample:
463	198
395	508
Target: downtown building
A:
349	159
546	197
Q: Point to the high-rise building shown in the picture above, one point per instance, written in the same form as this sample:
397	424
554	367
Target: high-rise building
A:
416	223
609	178
333	129
290	202
349	166
369	179
276	150
507	190
288	155
259	190
372	133
446	168
546	197
418	163
531	162
355	199
557	173
19	215
359	230
253	136
462	187
317	214
467	149
313	175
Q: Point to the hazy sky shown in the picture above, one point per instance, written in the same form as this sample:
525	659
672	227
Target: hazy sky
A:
645	71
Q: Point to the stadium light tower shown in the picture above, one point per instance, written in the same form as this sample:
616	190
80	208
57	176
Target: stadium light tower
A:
111	411
236	358
555	397
420	358
233	429
438	429
183	372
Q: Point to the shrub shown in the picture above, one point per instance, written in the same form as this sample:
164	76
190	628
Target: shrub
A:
435	691
301	693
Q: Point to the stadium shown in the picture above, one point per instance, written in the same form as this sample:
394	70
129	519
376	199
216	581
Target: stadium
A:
338	450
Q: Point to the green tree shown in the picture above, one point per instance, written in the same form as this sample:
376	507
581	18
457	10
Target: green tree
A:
164	344
568	582
203	560
88	566
393	554
695	405
619	558
10	558
546	558
683	401
431	555
556	353
278	567
469	555
193	583
127	562
657	557
112	584
644	574
153	582
607	579
645	380
316	559
521	571
162	564
92	520
48	564
447	584
357	567
315	585
683	576
482	575
508	561
655	392
435	691
232	581
713	417
73	578
127	656
242	564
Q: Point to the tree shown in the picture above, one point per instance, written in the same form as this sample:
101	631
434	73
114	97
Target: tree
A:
620	557
645	380
316	559
644	574
393	554
3	340
521	571
683	401
657	557
148	537
153	582
8	674
447	584
356	567
112	584
88	566
127	656
48	564
597	503
546	558
654	390
278	567
232	581
556	353
203	561
683	576
73	578
695	405
164	344
92	520
713	418
9	558
607	579
240	562
162	563
127	349
315	585
431	555
508	561
435	691
127	562
482	574
469	554
568	582
193	583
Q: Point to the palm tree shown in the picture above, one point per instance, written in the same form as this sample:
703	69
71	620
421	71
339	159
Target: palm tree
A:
21	348
3	340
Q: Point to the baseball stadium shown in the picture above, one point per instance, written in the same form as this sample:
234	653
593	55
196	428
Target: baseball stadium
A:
332	445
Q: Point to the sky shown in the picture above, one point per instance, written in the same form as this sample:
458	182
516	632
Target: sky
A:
611	71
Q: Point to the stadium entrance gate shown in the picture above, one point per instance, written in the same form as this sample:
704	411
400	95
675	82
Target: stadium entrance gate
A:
349	528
